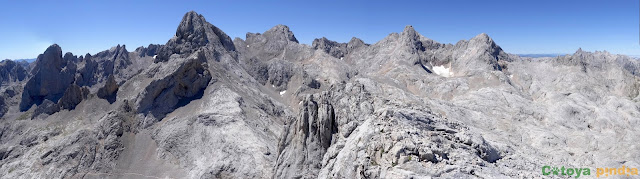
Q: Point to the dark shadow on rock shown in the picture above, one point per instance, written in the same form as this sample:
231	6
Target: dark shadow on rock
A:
186	100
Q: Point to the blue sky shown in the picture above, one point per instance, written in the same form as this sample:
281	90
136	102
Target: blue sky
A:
521	27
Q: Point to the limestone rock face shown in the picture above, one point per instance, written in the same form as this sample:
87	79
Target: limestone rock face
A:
333	48
174	84
3	106
51	77
109	90
47	107
150	50
268	57
194	32
11	71
88	73
100	66
73	96
94	70
306	140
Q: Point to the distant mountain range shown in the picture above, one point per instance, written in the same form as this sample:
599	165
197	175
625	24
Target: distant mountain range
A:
536	55
28	60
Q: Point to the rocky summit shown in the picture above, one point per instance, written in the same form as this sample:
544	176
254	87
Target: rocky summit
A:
266	106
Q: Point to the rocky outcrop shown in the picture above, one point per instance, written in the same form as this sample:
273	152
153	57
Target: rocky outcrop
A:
87	150
111	62
151	50
3	106
11	71
192	33
51	76
175	84
307	139
270	57
109	90
87	73
480	50
271	43
335	49
73	96
97	68
119	56
46	107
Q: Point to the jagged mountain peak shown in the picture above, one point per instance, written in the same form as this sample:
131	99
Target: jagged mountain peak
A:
482	40
53	50
356	40
52	57
411	38
409	30
51	76
193	28
115	52
150	50
281	32
53	47
482	37
119	47
192	33
321	41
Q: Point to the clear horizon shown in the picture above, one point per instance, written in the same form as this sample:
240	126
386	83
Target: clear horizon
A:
540	27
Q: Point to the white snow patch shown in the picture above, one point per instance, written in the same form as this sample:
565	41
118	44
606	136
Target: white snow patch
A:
247	45
442	71
282	92
340	58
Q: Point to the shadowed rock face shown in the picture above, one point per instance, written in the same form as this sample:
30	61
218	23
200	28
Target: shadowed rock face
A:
109	90
175	84
269	107
51	77
11	71
3	106
73	96
150	50
99	67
